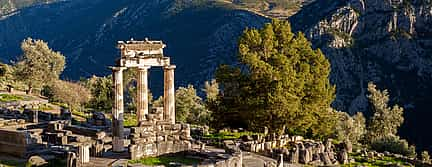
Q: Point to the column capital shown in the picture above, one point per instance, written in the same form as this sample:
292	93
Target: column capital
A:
117	68
170	67
141	68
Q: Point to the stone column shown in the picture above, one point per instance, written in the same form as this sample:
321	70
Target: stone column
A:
117	110
71	159
35	116
84	153
169	94
142	93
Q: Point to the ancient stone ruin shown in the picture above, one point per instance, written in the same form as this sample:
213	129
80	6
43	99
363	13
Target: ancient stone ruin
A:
39	136
156	133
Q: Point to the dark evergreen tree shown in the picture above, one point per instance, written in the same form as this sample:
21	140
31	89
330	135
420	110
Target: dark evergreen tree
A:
281	83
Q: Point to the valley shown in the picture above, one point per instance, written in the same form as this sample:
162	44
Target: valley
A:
365	40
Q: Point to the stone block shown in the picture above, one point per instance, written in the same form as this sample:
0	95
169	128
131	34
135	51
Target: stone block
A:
97	149
325	158
138	141
21	121
135	130
37	161
161	138
177	127
267	146
62	140
135	135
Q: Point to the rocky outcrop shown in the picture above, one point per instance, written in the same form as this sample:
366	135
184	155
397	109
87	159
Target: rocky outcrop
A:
383	41
10	7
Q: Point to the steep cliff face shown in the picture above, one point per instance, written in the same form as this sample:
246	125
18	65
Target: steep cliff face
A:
6	6
388	42
199	36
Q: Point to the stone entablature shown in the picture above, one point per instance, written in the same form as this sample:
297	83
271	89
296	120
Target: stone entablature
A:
145	61
142	53
134	48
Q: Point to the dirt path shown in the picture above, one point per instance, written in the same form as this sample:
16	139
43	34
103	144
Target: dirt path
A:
255	160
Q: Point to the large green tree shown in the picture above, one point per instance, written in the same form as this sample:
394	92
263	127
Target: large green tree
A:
385	120
281	82
39	65
6	75
101	91
189	106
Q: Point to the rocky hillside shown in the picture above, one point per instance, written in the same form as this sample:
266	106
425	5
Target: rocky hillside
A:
9	7
199	35
281	9
388	42
384	41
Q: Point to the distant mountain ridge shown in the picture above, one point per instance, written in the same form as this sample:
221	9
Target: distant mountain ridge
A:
365	40
199	35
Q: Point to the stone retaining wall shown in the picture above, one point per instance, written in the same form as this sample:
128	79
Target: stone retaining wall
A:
19	143
153	139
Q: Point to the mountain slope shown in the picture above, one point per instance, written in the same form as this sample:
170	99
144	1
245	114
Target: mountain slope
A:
10	6
199	35
384	41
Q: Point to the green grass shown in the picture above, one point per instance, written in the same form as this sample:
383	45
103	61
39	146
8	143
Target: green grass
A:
80	114
45	107
382	161
228	135
10	98
130	120
165	160
60	104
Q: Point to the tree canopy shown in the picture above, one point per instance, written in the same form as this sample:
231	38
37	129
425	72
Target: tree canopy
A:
281	82
101	91
189	106
73	94
350	128
39	65
385	120
211	89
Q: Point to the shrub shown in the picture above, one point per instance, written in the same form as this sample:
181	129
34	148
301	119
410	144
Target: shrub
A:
350	128
393	144
73	94
425	156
